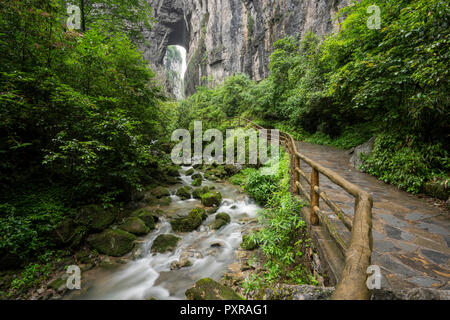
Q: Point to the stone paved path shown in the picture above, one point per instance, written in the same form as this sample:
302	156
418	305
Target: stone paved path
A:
411	237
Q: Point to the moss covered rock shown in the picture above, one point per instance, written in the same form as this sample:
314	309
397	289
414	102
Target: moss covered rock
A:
198	192
208	289
173	171
197	176
165	242
197	182
211	199
142	213
165	201
95	217
217	224
224	216
200	211
189	172
135	226
184	193
248	243
189	223
160	192
437	189
111	242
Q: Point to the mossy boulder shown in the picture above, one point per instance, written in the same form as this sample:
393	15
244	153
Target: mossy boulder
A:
210	176
224	216
200	211
184	193
160	192
188	223
143	213
148	218
135	226
208	289
231	169
165	201
111	242
189	172
437	189
95	217
197	182
211	199
198	192
173	171
217	224
197	176
248	243
165	242
212	210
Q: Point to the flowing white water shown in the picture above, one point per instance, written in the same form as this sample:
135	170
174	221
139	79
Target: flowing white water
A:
151	276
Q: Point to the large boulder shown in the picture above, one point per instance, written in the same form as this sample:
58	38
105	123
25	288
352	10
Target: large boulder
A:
224	216
150	217
190	222
208	289
184	193
197	182
111	242
165	242
160	192
95	217
366	149
211	199
135	226
198	192
173	171
438	189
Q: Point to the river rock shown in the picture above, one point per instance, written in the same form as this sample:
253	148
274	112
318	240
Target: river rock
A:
184	193
248	243
160	192
208	289
173	171
198	192
111	242
182	263
135	226
217	224
211	199
224	216
95	217
190	222
197	182
197	176
165	242
365	149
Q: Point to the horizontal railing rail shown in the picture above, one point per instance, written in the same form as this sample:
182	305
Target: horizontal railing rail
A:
358	251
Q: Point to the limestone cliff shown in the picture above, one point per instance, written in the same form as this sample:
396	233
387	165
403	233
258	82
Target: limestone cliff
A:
223	37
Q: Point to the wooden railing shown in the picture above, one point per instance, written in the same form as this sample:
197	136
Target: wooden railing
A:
352	282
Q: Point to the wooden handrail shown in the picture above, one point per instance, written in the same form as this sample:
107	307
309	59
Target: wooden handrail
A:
352	282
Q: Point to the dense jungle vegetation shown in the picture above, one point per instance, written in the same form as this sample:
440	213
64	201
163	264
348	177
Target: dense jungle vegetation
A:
82	120
390	83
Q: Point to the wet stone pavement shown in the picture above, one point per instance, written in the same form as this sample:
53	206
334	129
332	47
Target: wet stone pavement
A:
411	238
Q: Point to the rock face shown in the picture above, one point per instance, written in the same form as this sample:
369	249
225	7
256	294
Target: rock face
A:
365	148
223	37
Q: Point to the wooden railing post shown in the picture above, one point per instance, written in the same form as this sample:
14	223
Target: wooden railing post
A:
314	197
296	175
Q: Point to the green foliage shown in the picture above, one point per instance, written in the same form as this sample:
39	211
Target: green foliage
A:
406	165
82	119
358	83
284	238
